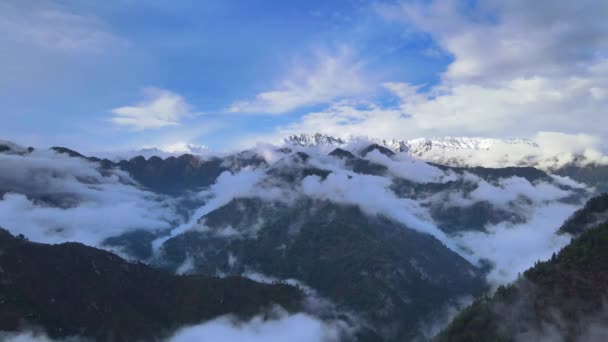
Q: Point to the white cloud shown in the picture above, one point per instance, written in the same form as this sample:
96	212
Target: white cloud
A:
511	189
52	198
295	328
518	68
227	187
406	167
332	77
503	40
514	248
372	194
159	109
547	151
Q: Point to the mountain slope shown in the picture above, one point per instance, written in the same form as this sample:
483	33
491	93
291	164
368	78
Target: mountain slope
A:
390	275
389	240
312	140
74	290
559	299
592	174
593	213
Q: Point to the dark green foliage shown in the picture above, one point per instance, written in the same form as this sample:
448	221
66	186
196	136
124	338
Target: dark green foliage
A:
137	242
67	151
493	174
594	212
174	175
562	292
71	289
393	276
452	217
593	174
474	217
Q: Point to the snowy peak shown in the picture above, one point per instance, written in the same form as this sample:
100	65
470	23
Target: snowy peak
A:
455	151
394	144
312	140
414	146
418	147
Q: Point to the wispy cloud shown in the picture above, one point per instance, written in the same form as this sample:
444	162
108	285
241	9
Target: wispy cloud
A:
333	76
159	109
51	27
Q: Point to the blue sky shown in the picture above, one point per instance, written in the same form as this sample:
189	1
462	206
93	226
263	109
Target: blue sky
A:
119	74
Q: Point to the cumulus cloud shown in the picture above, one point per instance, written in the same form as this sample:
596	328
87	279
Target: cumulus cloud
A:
333	76
518	68
496	40
53	198
513	62
159	109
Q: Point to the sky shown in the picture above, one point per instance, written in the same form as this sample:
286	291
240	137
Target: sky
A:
111	75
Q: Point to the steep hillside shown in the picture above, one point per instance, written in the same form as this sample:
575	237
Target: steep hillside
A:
74	290
593	213
593	174
390	275
562	299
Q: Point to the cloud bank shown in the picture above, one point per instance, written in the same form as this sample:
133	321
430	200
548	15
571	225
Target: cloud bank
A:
53	198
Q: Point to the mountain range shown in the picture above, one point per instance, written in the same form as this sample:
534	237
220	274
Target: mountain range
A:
370	239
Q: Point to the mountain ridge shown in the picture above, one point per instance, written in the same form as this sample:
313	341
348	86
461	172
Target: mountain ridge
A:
70	289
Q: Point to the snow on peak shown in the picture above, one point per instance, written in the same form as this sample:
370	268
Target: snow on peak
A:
419	147
414	146
312	140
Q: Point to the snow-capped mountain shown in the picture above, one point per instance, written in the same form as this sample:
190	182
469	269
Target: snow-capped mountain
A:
455	151
420	146
312	140
416	147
